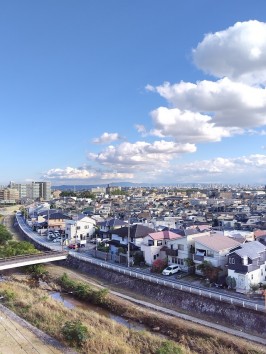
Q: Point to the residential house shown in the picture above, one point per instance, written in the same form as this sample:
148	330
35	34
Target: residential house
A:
106	227
80	229
213	248
247	265
160	245
56	221
133	234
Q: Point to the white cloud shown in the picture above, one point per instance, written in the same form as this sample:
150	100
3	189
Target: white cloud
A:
72	173
239	52
249	169
106	138
186	126
226	103
141	154
69	173
117	176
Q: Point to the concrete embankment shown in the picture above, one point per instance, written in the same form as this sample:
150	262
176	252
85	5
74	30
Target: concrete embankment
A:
235	317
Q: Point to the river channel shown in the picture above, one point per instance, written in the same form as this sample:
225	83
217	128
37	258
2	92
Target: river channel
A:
71	303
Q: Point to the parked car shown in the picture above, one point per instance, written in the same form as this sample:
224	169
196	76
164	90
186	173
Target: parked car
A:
171	269
96	240
73	246
58	239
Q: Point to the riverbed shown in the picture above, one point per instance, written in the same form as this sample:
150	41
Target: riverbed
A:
71	303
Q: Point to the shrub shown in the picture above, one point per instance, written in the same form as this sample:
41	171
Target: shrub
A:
168	347
75	332
37	271
231	282
158	265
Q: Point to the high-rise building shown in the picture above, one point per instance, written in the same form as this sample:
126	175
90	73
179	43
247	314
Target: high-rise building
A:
9	195
33	190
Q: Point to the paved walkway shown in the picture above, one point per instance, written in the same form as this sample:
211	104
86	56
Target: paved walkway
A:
17	336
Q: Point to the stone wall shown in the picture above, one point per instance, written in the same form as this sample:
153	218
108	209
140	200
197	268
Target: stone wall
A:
236	317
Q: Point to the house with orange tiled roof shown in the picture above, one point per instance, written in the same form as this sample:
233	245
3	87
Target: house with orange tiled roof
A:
213	248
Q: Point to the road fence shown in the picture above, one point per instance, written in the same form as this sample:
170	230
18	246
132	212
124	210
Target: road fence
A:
174	285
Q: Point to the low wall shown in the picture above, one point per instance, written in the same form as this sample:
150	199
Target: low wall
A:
236	317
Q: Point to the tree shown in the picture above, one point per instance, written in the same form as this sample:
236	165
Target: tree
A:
158	265
67	194
87	194
15	248
75	332
5	235
209	271
231	282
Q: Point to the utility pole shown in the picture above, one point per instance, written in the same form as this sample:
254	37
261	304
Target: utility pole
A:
128	236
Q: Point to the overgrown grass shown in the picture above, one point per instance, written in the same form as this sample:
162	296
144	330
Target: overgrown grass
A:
198	339
104	335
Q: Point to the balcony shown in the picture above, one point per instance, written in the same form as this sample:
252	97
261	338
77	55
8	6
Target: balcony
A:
198	258
171	253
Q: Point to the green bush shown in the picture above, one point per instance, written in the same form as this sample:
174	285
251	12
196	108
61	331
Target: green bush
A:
8	295
75	332
5	235
82	291
169	348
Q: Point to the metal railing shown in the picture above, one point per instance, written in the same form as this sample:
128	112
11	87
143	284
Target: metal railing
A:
174	285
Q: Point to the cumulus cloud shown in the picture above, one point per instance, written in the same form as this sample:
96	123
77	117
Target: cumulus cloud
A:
239	52
106	138
141	154
186	126
244	168
226	103
69	173
72	173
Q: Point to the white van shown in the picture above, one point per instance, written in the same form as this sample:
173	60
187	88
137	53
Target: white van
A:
171	269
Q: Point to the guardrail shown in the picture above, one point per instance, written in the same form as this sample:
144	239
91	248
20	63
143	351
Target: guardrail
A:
173	285
45	254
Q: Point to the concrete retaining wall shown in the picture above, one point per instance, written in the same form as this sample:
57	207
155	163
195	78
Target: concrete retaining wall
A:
225	314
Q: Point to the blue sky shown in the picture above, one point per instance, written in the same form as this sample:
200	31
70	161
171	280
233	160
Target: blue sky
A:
93	92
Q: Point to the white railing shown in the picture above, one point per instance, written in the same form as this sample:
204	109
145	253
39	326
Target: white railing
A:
174	285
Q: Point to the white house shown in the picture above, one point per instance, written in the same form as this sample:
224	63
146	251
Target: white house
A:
160	245
80	229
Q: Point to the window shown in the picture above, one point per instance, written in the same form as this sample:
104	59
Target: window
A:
159	243
210	253
174	260
150	243
78	227
181	247
154	257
